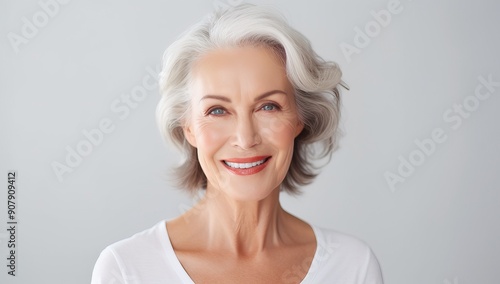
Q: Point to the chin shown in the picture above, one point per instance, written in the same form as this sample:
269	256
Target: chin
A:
249	191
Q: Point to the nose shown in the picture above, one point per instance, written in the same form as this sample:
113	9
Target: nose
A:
246	134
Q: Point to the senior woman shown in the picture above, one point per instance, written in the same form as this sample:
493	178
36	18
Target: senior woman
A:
245	98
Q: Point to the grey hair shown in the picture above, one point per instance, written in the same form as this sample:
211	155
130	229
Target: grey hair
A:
315	82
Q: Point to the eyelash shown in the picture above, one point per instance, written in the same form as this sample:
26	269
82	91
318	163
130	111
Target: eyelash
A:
210	111
275	106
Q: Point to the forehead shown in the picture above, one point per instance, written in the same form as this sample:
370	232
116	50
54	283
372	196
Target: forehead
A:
247	69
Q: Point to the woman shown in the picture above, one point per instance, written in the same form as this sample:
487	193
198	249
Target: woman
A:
245	98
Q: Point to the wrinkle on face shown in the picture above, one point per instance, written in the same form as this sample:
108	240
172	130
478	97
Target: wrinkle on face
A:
233	78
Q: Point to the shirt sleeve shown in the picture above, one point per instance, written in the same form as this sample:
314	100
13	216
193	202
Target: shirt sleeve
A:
107	269
373	273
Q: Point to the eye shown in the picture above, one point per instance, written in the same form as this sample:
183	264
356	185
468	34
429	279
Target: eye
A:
270	107
216	111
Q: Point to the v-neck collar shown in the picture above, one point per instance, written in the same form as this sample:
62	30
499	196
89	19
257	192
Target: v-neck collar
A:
184	276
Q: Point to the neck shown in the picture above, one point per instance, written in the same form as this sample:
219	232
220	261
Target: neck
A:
241	227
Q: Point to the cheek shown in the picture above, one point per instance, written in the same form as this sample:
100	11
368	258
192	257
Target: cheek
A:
278	130
210	135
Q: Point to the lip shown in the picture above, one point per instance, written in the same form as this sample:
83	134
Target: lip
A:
249	171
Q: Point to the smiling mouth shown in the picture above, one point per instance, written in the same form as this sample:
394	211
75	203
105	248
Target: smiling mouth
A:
245	165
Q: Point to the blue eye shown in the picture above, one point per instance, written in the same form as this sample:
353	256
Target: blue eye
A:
269	107
217	111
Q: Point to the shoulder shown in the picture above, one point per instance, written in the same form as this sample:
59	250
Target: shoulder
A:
142	241
120	261
349	256
333	240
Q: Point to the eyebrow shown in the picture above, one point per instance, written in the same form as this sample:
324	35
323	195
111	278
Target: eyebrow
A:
260	97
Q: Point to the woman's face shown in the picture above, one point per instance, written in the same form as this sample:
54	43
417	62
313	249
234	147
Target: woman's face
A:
243	121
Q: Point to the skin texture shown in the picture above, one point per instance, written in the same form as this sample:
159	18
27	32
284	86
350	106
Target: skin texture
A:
239	233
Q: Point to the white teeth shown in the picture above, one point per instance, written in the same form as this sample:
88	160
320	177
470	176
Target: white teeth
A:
244	165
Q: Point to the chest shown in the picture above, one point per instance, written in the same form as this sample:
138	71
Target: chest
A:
289	265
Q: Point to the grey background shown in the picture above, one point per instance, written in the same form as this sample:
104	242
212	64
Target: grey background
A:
438	226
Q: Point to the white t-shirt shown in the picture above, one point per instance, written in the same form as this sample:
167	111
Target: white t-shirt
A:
148	257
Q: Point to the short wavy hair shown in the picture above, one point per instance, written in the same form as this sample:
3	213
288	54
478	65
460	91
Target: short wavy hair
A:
315	81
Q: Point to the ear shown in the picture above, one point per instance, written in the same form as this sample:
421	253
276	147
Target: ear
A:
299	128
190	137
